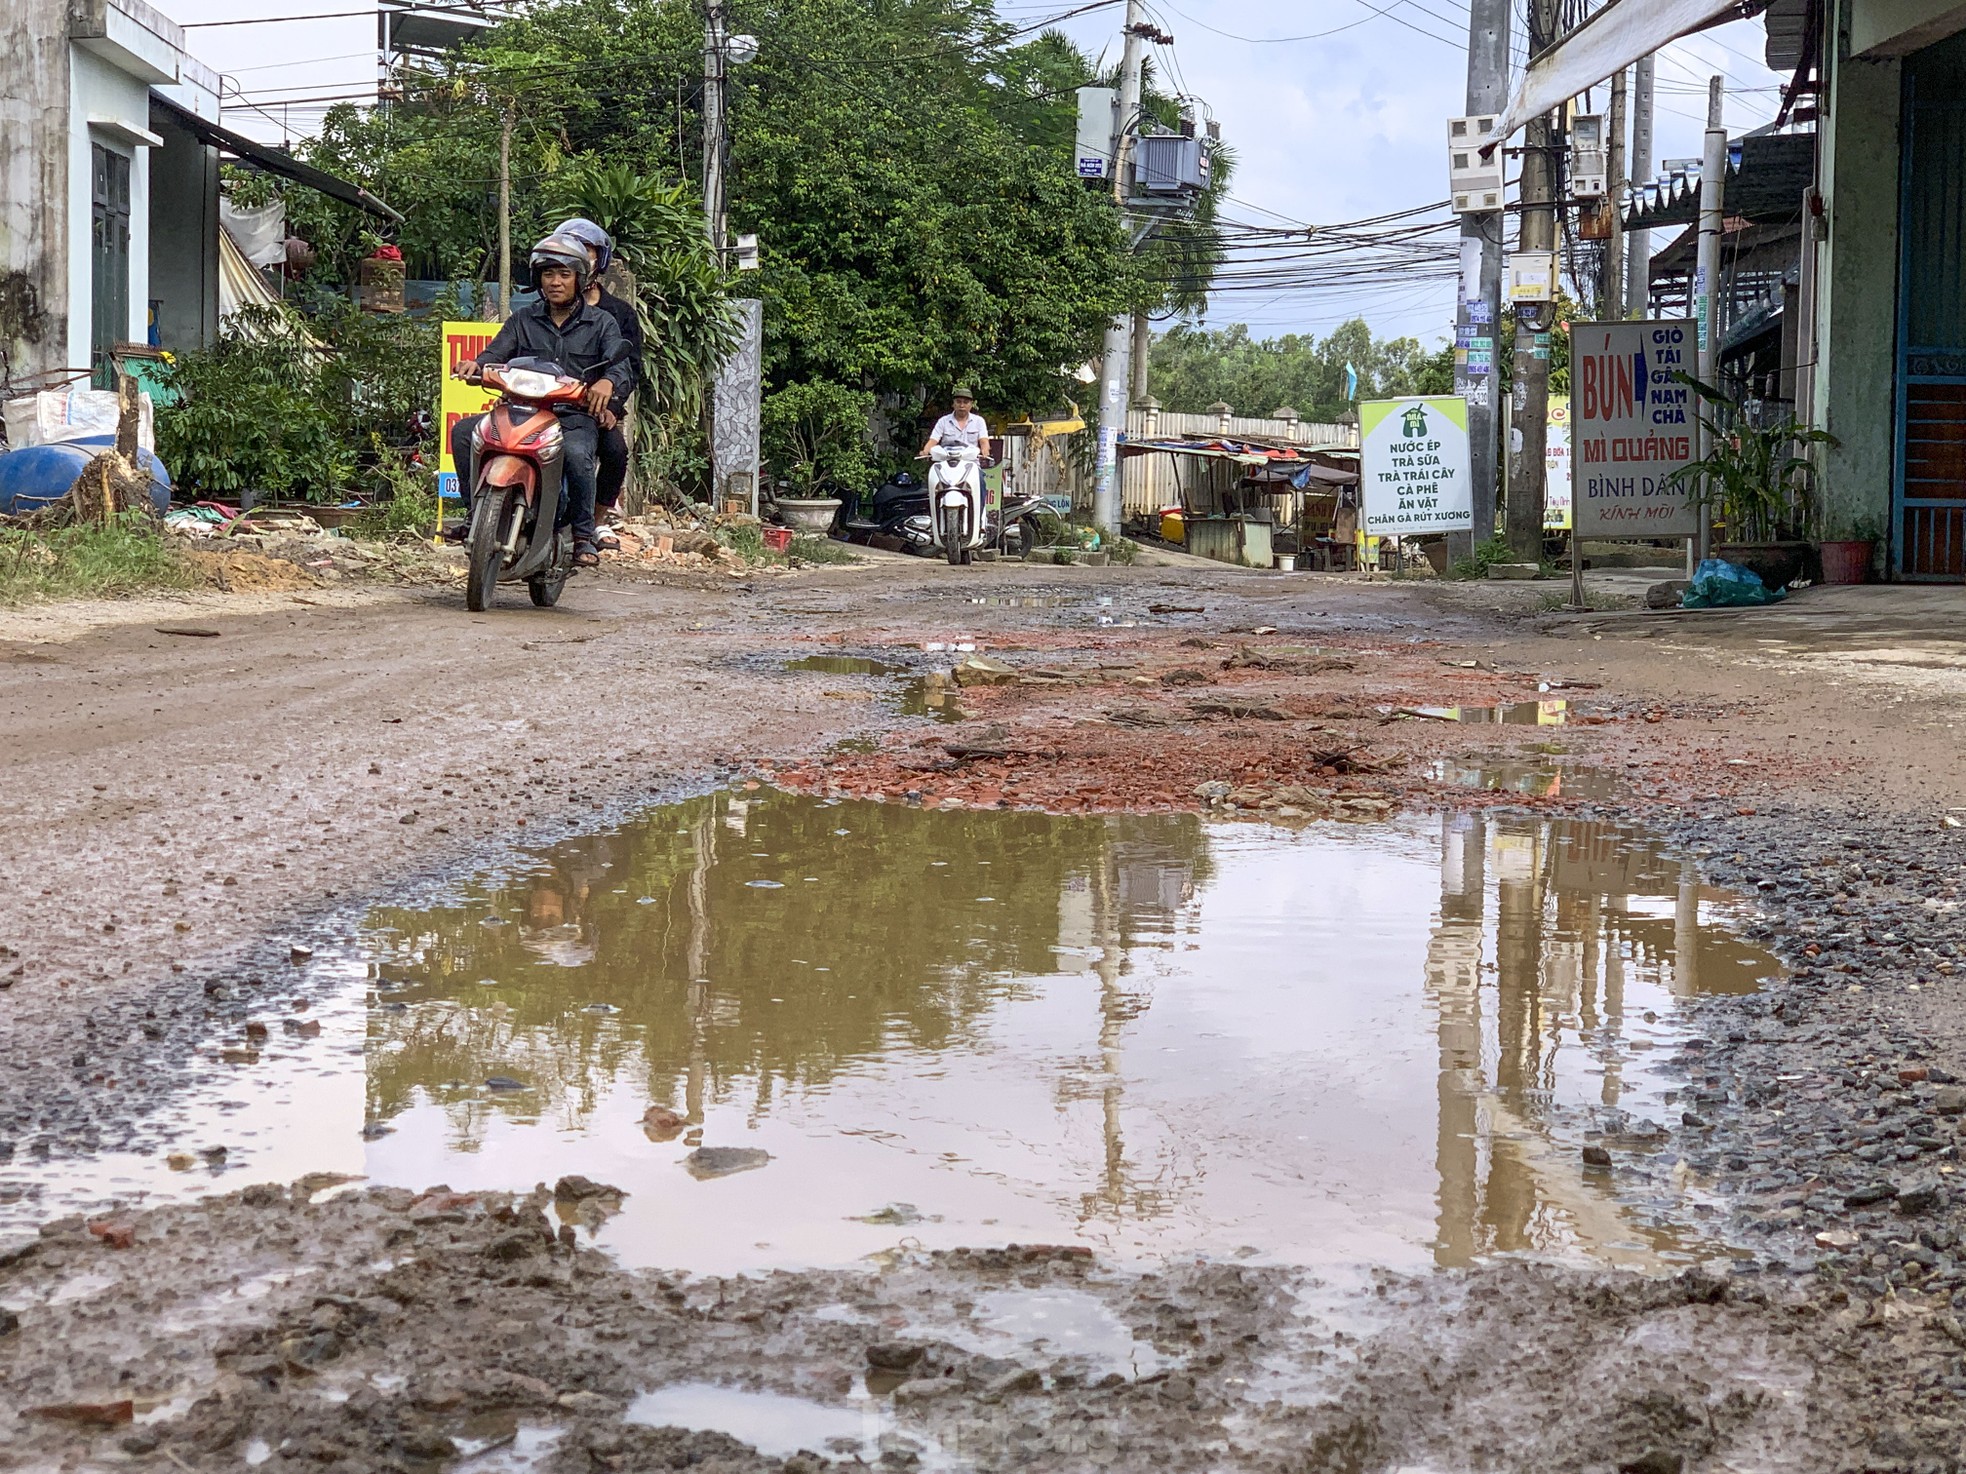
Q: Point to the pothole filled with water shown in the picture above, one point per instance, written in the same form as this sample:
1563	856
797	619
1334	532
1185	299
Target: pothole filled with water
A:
930	695
800	1032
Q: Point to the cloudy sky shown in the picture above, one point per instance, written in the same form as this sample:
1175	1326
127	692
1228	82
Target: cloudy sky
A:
1343	123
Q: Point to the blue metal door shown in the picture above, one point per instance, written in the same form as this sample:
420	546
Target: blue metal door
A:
1929	496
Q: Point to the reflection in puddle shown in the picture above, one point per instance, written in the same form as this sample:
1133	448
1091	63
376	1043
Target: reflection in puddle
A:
931	696
1536	780
845	665
1510	714
1336	1045
776	1425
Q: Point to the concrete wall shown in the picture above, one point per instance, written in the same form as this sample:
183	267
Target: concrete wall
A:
1856	286
34	161
183	237
1900	27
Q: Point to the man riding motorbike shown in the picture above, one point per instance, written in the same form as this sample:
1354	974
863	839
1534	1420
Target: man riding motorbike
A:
613	473
961	425
585	342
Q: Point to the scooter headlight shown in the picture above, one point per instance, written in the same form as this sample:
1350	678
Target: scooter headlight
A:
528	383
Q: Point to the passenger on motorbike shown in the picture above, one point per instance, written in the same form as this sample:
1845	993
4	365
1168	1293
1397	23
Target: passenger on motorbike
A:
613	473
584	341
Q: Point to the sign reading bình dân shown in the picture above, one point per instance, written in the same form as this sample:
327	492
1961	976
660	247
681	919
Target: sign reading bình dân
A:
1413	466
1632	424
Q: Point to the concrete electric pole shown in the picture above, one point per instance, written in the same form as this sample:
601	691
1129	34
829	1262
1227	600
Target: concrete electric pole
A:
1611	281
1479	314
1640	165
1113	365
1532	353
1706	281
505	214
715	55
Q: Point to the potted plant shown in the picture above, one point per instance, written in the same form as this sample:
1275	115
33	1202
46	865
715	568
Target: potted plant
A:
1753	483
815	434
1847	560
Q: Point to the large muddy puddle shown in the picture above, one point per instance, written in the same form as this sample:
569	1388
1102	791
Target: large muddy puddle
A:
802	1032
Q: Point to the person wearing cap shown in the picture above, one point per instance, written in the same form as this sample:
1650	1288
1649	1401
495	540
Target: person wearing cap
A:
583	340
613	471
961	424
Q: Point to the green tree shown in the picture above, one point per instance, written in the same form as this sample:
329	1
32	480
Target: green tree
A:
1195	367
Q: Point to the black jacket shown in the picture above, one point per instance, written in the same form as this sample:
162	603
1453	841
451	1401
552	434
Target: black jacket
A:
630	322
588	346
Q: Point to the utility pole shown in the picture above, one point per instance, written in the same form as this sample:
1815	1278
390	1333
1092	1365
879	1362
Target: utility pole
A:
1142	350
505	214
1478	316
1706	283
1113	366
1611	283
714	62
1640	165
1531	406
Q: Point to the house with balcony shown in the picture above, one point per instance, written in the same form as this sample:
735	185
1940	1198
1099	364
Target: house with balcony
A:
110	148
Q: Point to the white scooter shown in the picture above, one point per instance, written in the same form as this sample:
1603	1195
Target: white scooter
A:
955	500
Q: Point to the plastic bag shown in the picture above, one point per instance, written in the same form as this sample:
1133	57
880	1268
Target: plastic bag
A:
1718	584
55	416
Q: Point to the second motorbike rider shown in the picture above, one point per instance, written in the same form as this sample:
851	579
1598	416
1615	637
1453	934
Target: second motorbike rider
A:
585	342
613	473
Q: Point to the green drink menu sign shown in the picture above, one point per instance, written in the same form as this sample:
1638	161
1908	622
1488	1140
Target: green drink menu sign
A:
1413	466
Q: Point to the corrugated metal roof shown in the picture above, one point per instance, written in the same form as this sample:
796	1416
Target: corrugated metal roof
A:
1766	174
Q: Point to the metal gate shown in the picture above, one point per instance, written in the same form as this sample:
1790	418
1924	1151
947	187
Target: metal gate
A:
1929	492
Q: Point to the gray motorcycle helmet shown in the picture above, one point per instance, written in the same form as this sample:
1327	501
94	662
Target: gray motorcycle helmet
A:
589	234
560	250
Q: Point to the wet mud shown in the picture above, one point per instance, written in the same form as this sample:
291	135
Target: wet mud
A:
1408	1043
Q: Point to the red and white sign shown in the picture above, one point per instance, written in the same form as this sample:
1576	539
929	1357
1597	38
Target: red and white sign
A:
1632	424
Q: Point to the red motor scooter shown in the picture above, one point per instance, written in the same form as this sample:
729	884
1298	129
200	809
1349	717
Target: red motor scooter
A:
518	480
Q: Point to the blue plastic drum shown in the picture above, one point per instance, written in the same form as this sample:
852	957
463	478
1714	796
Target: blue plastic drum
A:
39	474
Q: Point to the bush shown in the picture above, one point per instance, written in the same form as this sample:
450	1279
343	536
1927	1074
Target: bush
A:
1495	550
408	510
312	411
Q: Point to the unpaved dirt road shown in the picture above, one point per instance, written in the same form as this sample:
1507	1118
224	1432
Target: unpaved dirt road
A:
184	810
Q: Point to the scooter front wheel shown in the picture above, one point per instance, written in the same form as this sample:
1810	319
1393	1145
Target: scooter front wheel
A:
486	546
546	588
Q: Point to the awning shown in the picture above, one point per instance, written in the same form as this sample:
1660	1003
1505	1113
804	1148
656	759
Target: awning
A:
1610	41
1766	175
272	160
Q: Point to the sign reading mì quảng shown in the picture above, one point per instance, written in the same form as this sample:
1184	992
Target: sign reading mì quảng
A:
1413	466
1632	424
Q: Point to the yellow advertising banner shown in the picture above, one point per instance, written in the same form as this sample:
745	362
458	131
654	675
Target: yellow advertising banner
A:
456	400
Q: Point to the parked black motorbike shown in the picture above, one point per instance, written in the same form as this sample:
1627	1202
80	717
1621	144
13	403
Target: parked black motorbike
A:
899	519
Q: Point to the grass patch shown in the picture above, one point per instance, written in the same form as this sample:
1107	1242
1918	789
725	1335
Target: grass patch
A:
128	556
821	550
748	542
1595	602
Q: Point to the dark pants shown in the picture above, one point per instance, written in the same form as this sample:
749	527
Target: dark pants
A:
613	472
579	441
